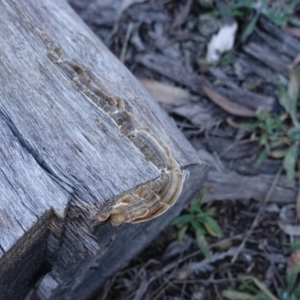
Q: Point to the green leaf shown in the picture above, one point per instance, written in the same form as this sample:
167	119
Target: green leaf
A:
249	28
247	286
284	99
294	133
288	99
259	297
263	139
269	124
293	269
233	12
249	126
262	287
293	87
294	21
210	211
234	295
187	218
278	142
195	206
261	157
198	227
241	4
293	297
297	292
290	160
262	114
213	227
295	245
181	233
281	293
278	20
293	93
201	217
202	244
213	13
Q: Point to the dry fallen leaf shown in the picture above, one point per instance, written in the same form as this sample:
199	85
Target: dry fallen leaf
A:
165	93
295	61
294	31
233	124
180	17
229	106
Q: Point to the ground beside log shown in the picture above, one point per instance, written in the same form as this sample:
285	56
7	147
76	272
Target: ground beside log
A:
165	43
82	142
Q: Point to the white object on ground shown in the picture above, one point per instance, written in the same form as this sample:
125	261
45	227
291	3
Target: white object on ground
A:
221	42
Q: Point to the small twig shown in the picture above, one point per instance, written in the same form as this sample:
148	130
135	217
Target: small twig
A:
206	281
125	44
157	276
182	288
107	288
168	283
217	292
259	214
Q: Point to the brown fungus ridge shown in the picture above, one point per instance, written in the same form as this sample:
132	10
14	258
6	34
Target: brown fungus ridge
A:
149	200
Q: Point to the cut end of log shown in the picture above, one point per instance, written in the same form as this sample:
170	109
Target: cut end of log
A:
154	198
148	201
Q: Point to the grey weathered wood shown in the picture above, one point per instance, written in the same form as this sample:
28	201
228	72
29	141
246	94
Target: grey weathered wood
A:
229	185
68	155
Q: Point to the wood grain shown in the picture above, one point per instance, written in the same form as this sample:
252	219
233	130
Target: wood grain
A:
68	109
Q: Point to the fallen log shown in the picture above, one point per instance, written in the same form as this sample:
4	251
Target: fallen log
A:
85	154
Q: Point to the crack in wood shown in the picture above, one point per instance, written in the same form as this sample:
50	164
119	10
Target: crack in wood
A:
150	200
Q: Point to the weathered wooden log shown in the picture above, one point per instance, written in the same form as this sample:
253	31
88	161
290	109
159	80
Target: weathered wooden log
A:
83	148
